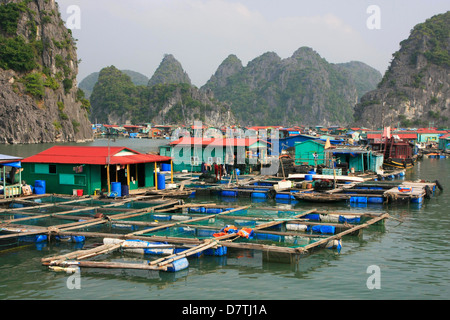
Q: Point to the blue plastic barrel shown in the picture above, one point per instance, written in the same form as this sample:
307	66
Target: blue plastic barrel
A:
161	181
39	187
116	187
165	167
125	190
259	195
229	194
308	177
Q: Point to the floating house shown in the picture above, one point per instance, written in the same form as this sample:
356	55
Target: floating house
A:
305	151
89	170
286	142
397	152
429	135
359	159
10	181
189	153
409	136
444	142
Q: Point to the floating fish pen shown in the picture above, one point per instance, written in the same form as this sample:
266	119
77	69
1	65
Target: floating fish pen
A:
375	193
167	232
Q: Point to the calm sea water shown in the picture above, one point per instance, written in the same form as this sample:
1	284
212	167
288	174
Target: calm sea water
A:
412	255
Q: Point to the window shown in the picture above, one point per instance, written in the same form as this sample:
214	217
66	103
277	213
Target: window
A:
72	179
216	160
195	161
45	168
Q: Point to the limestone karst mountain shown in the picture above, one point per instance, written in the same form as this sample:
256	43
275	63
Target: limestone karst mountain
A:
414	91
39	98
302	89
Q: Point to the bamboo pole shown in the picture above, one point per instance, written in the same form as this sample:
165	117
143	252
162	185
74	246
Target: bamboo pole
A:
156	178
128	176
78	254
171	171
108	179
111	265
40	206
166	260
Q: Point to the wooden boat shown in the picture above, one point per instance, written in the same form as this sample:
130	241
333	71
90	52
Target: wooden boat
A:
398	163
397	153
321	197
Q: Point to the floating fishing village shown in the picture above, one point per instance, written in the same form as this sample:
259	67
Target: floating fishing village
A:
224	150
185	202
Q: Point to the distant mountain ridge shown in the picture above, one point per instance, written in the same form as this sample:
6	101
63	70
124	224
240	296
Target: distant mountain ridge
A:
302	89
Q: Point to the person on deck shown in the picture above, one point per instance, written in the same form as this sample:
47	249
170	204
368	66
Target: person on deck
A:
204	170
220	171
216	170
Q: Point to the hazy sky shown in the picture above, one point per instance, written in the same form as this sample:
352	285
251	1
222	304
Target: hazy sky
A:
135	34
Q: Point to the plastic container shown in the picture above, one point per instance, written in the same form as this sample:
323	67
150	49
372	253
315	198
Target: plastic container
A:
125	190
259	195
358	199
220	251
214	210
161	181
165	167
308	177
116	187
80	192
39	187
178	265
229	193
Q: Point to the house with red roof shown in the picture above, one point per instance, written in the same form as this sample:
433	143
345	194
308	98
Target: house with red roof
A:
444	142
68	168
189	153
429	135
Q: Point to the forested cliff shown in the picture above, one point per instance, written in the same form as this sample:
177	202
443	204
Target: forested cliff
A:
39	98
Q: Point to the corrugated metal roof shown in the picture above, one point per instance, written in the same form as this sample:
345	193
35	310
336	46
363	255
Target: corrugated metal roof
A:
6	158
93	155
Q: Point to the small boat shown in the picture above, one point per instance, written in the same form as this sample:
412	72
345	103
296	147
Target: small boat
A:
321	197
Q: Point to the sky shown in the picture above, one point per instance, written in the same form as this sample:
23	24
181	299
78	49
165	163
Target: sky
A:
136	34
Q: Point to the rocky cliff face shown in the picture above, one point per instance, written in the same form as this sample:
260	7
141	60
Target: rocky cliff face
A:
39	99
302	89
185	104
415	89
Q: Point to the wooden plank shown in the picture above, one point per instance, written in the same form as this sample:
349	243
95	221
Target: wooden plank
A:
113	265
